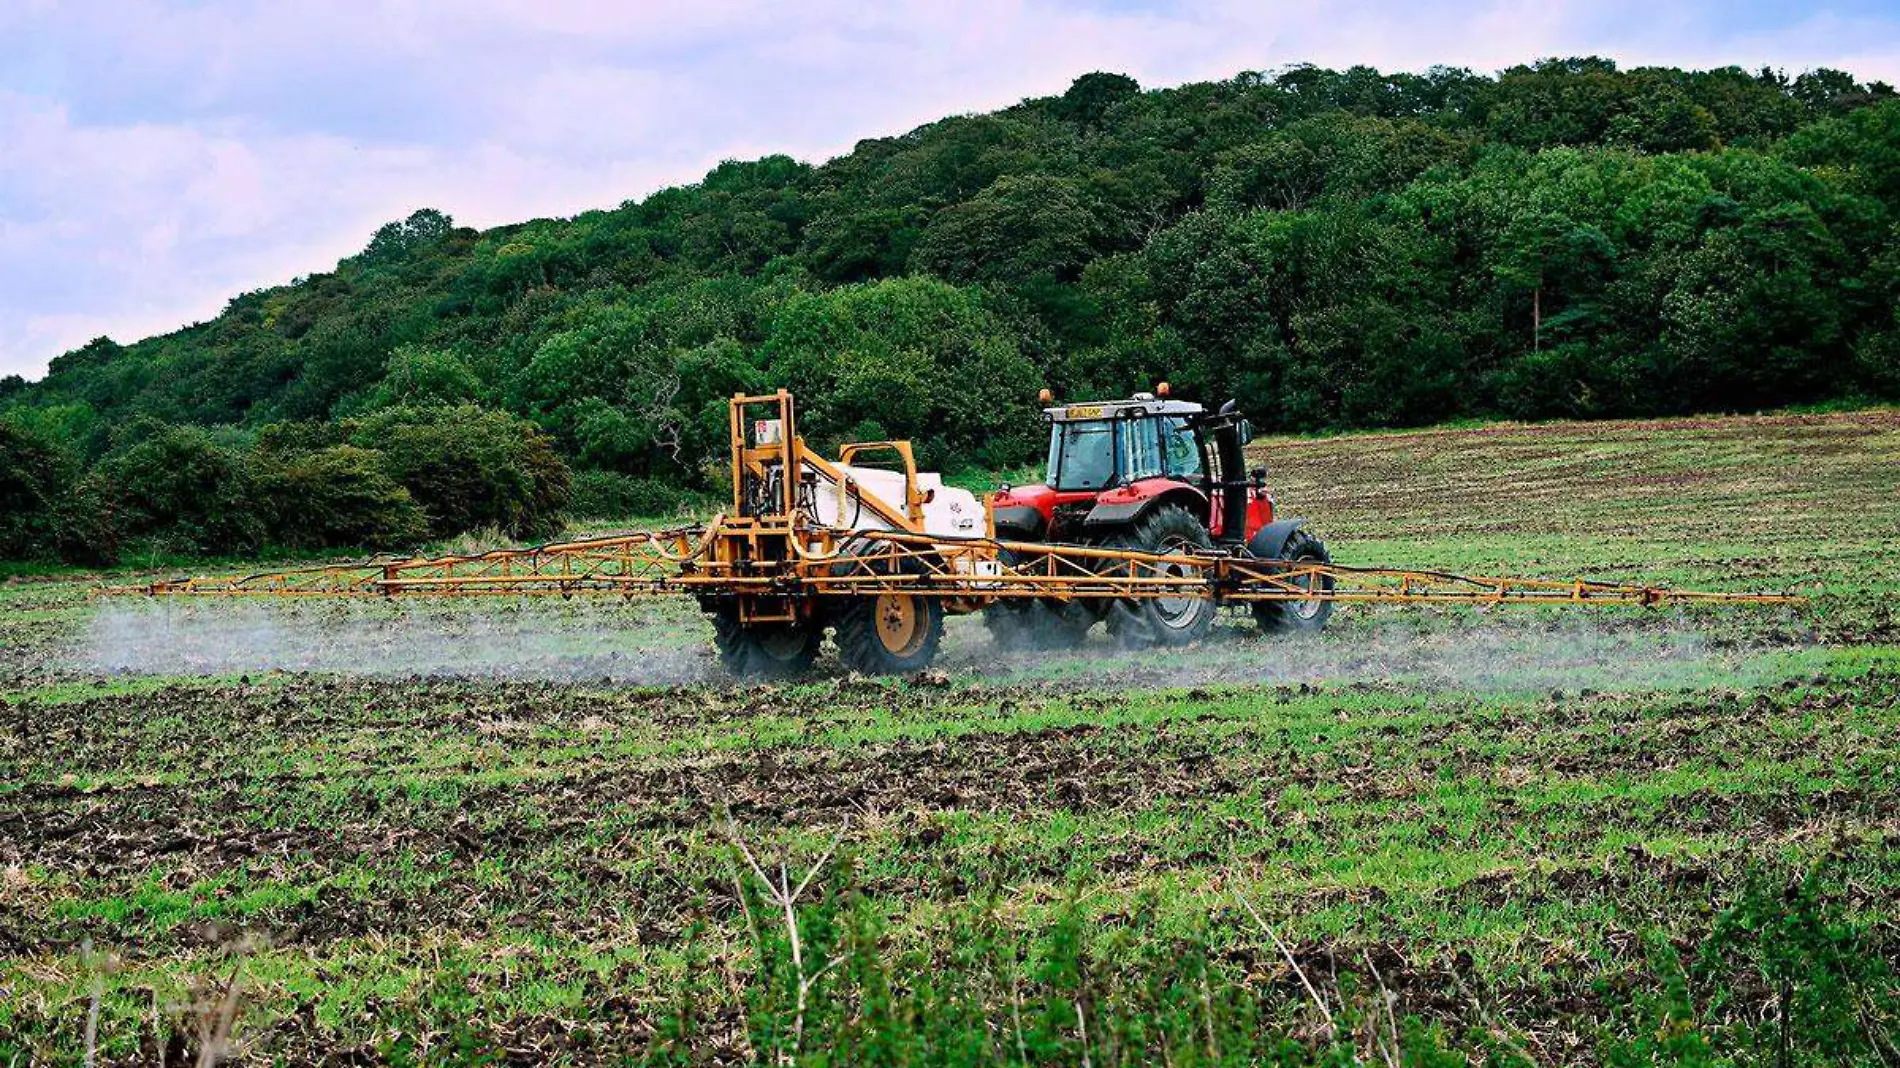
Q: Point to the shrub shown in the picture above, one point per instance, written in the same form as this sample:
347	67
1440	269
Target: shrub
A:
468	468
419	376
339	496
612	495
178	485
29	485
86	525
906	356
46	510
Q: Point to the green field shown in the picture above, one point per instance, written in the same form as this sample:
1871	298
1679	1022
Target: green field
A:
502	831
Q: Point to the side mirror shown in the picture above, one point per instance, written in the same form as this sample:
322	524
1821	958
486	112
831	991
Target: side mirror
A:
1246	431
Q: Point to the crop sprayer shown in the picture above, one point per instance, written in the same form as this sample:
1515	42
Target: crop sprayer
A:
1147	521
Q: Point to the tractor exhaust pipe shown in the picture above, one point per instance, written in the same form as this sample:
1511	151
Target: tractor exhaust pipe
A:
1233	474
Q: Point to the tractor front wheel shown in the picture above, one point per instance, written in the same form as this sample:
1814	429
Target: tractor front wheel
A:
763	650
1173	617
890	633
1286	617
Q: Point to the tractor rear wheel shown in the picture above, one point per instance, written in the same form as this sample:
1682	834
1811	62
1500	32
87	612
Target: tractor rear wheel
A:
1173	618
763	650
1031	623
1285	617
890	633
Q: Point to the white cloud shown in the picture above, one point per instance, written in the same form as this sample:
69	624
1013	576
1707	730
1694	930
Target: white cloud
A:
158	157
134	230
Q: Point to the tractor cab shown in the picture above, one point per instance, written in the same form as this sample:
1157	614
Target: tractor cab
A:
1100	446
1112	463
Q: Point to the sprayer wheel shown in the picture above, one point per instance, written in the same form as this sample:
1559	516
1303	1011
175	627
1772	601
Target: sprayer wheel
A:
763	650
890	633
1142	622
1289	617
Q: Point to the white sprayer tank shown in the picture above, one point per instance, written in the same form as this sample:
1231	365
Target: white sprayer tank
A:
948	512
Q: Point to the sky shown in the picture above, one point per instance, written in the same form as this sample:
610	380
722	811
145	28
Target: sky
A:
158	157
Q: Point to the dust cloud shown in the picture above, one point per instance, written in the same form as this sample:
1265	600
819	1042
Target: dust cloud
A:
1426	650
667	643
534	639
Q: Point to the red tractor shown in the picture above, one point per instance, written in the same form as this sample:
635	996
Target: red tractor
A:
1155	475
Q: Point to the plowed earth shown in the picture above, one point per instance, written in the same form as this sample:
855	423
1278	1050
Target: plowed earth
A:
1495	812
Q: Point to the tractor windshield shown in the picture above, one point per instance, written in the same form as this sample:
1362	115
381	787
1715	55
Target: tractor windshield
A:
1082	455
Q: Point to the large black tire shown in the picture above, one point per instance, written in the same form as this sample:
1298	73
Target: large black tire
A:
763	650
1036	624
887	633
890	633
1289	617
1141	622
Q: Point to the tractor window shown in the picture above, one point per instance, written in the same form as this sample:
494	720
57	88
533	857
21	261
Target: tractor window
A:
1082	455
1182	446
1141	449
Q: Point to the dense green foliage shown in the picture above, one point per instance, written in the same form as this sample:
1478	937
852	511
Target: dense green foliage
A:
385	481
612	495
1334	248
30	480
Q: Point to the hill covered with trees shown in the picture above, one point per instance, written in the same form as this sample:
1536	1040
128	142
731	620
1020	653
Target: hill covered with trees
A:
1337	249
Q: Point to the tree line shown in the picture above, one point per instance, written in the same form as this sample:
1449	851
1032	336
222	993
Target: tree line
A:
1336	249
